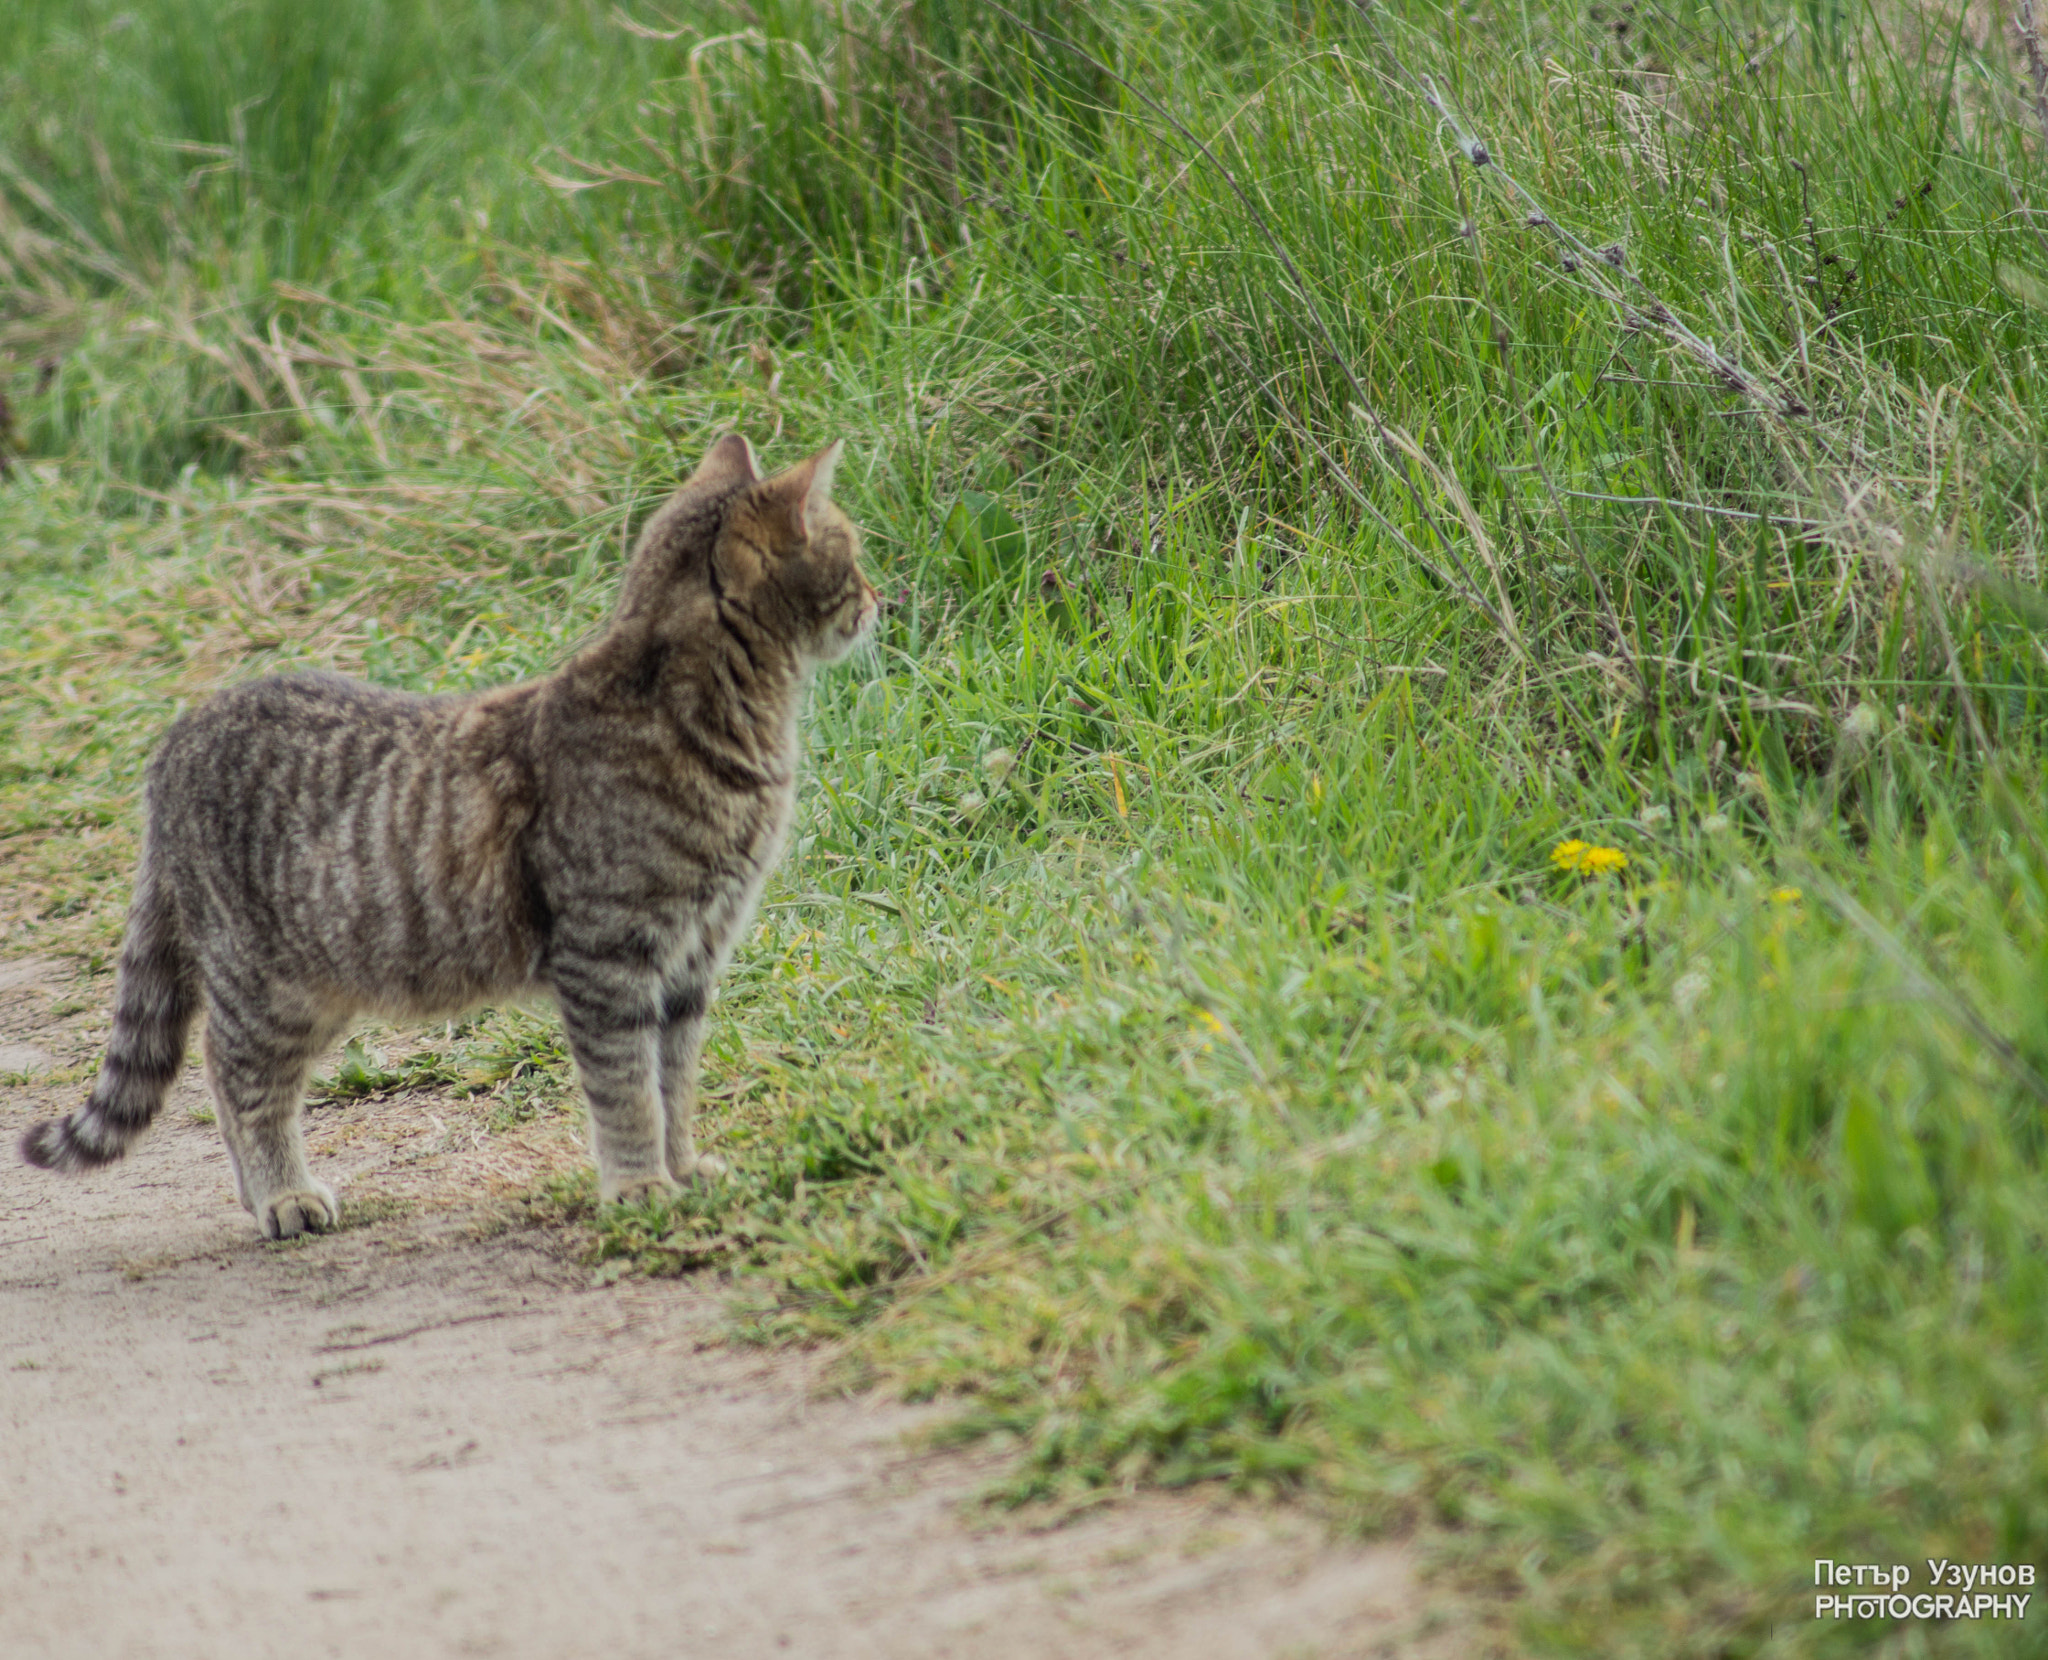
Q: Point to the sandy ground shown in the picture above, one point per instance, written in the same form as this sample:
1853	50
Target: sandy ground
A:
430	1434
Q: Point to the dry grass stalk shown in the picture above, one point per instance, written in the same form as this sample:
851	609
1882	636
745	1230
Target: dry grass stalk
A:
2026	28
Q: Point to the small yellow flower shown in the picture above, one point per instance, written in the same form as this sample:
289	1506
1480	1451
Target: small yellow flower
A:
1786	896
1587	859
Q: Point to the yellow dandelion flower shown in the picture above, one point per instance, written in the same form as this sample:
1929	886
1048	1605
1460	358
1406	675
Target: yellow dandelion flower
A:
1587	859
1786	896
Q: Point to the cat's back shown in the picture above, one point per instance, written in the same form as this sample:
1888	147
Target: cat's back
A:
381	828
303	702
306	740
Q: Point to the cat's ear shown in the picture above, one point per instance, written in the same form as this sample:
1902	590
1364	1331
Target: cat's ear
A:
727	466
800	492
818	486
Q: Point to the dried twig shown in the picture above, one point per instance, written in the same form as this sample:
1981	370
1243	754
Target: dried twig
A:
426	1326
1600	271
2026	27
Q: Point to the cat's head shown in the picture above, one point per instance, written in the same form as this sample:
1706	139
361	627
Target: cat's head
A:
785	554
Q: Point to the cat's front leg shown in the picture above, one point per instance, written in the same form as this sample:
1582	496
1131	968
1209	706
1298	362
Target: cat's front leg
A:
613	1033
682	1037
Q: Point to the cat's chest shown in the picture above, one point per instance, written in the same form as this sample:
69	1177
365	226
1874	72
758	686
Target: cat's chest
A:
705	926
736	894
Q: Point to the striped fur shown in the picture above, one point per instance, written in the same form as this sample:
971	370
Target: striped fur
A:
317	848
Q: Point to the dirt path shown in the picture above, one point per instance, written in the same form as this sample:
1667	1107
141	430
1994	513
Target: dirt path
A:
429	1435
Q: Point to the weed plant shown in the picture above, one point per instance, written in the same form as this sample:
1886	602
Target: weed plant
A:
1435	895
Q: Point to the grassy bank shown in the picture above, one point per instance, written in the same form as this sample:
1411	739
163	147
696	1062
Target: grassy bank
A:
1435	895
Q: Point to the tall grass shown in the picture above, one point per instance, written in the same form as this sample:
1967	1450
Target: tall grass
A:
1323	464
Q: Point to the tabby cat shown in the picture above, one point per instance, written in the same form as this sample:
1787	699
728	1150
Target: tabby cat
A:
315	848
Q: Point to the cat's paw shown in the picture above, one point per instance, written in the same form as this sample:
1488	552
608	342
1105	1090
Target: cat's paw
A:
311	1209
700	1170
636	1190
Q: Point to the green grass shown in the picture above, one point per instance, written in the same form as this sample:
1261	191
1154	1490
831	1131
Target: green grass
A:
1171	1033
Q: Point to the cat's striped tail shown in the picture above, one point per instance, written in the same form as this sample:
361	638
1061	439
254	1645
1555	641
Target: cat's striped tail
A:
156	995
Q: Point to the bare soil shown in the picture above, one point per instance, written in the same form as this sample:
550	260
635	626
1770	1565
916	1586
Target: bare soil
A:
431	1434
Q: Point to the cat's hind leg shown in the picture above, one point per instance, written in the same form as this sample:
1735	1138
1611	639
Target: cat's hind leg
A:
612	1034
682	1037
256	1065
